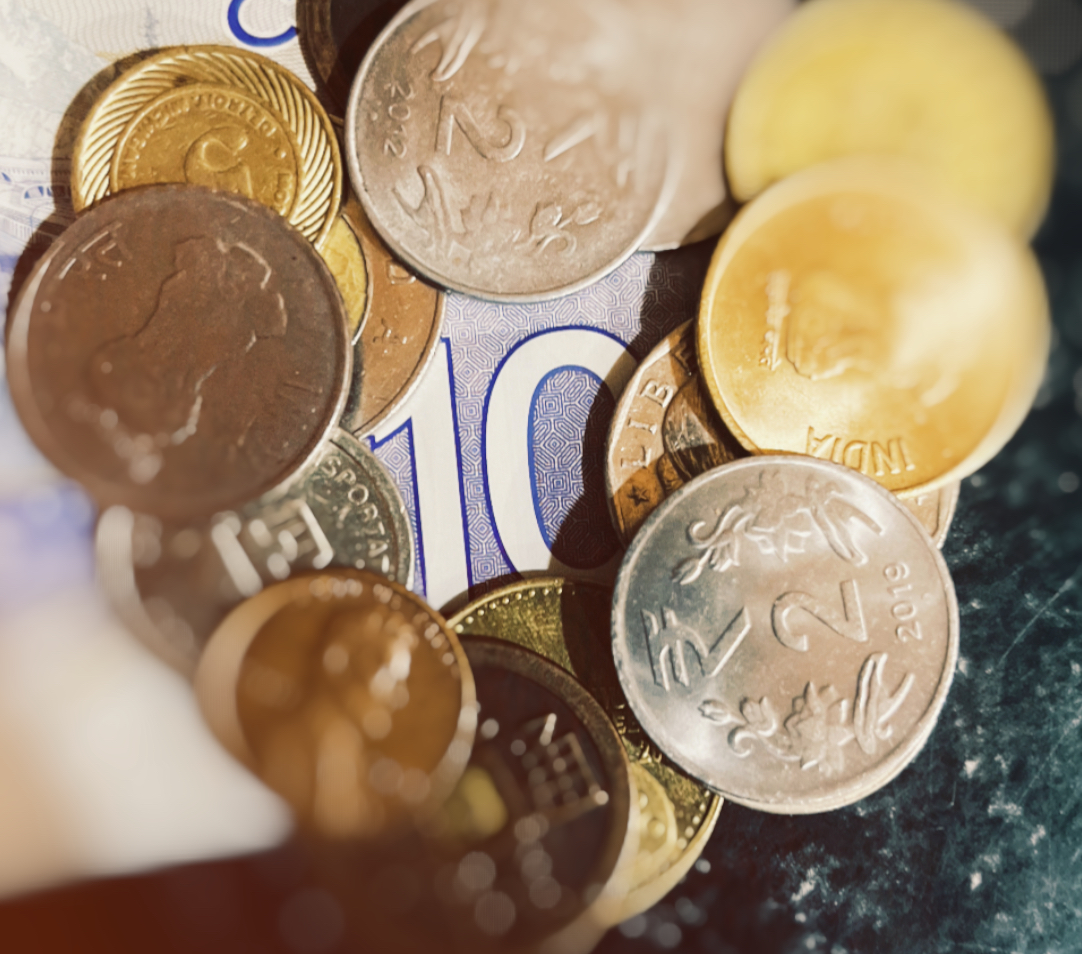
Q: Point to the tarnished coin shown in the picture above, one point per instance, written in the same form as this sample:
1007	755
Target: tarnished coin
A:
929	80
336	34
173	582
665	432
531	852
179	351
347	695
785	630
706	45
569	623
508	150
398	334
219	117
856	313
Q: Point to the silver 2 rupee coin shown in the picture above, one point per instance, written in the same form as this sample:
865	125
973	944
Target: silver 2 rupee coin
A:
786	631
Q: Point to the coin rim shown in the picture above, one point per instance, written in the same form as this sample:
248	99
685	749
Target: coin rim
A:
880	773
353	164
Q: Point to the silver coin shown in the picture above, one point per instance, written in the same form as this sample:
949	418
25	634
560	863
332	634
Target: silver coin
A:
174	582
509	150
786	632
706	47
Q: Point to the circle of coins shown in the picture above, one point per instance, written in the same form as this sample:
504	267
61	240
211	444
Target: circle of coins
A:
932	81
397	335
173	582
507	150
532	850
179	351
853	314
347	695
665	432
569	623
786	632
218	117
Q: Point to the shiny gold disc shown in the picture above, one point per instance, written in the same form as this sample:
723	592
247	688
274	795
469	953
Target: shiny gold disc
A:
929	80
347	695
219	117
856	313
344	257
569	623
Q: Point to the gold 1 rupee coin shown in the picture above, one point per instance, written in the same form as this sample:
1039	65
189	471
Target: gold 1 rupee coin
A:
218	117
666	432
856	313
569	623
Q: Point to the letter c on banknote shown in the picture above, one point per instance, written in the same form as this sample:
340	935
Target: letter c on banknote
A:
508	466
250	39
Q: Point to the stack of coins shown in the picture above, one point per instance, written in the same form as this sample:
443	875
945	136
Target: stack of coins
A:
201	346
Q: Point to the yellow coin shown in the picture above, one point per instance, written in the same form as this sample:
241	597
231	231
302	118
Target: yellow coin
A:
568	623
218	117
929	80
344	257
854	313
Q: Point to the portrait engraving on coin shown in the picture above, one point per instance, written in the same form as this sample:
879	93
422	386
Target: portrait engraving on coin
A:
779	616
503	166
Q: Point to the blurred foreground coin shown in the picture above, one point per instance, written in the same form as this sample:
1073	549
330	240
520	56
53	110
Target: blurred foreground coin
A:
569	623
665	432
508	150
347	695
173	582
784	630
179	351
530	853
218	117
930	80
857	314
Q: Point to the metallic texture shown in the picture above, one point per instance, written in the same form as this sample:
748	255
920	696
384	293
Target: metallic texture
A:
347	695
173	582
219	117
508	150
179	351
344	257
398	334
785	631
569	623
665	432
857	313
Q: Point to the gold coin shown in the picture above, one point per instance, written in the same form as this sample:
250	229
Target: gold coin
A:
855	313
347	695
219	117
925	79
666	432
342	253
568	623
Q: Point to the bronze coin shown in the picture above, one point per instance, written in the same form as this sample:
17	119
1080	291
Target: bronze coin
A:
347	695
179	351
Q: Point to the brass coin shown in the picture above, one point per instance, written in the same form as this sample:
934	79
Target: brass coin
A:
532	850
174	581
929	80
218	117
398	335
179	351
665	432
343	255
347	695
856	313
569	623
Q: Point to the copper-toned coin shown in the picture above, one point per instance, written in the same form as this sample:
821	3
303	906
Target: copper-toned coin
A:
179	351
173	582
569	623
219	117
336	34
398	334
665	432
531	852
347	695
